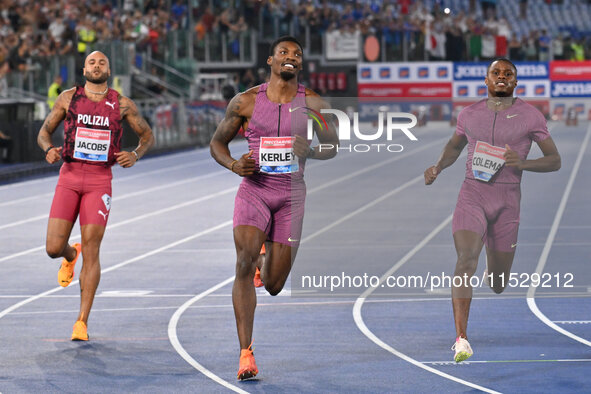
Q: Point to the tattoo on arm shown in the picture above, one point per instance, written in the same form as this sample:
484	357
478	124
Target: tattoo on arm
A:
138	124
229	126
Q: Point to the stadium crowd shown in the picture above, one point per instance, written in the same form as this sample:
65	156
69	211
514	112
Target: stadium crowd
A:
32	28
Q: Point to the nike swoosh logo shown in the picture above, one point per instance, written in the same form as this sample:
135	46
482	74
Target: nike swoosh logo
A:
513	245
292	240
512	116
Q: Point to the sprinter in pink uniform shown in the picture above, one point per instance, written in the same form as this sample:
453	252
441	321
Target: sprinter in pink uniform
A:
499	131
92	144
269	204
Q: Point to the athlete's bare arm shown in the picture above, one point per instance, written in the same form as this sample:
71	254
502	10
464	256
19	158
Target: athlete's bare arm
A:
238	114
138	124
450	154
328	139
57	114
549	162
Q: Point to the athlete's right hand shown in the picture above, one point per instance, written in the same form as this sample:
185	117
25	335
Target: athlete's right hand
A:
431	174
244	166
54	155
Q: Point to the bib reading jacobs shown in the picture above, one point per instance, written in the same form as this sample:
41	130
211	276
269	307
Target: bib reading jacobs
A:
92	144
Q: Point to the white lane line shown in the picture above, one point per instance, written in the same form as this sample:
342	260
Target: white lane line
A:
128	195
568	360
364	208
118	179
172	336
24	221
531	292
151	160
117	266
26	199
140	217
368	333
172	325
377	165
572	321
134	219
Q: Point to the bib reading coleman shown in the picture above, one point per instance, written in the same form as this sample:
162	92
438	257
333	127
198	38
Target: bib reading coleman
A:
92	131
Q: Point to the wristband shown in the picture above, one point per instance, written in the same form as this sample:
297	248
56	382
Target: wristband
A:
232	165
48	149
136	155
311	153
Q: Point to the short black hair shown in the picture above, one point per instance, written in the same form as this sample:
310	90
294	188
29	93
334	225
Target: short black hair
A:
502	59
283	39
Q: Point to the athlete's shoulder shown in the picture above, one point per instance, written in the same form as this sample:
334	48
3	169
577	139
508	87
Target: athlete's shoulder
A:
243	103
249	94
527	107
476	107
126	106
65	97
315	101
534	115
311	93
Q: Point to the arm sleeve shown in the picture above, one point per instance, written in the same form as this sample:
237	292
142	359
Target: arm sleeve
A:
539	129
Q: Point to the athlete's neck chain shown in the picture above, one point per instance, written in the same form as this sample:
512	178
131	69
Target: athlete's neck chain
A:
101	93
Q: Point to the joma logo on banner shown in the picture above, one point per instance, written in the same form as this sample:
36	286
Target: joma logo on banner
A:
391	120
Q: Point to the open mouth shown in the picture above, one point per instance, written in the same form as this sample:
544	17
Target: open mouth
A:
289	66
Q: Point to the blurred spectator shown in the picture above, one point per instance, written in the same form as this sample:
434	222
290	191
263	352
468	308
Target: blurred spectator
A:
530	46
568	48
86	35
4	69
515	49
179	12
5	147
544	46
454	42
558	47
54	91
578	50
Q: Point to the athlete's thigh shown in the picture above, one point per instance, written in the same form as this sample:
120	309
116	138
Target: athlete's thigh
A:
248	240
278	263
58	233
468	244
65	204
251	209
62	216
469	214
95	207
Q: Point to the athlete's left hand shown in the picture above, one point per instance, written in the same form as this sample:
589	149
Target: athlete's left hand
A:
125	159
512	158
301	147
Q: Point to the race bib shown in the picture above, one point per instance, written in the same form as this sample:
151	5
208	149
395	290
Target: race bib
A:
487	161
276	155
92	144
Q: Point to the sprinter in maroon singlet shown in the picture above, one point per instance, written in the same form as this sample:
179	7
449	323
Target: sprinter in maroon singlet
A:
270	201
92	144
499	132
